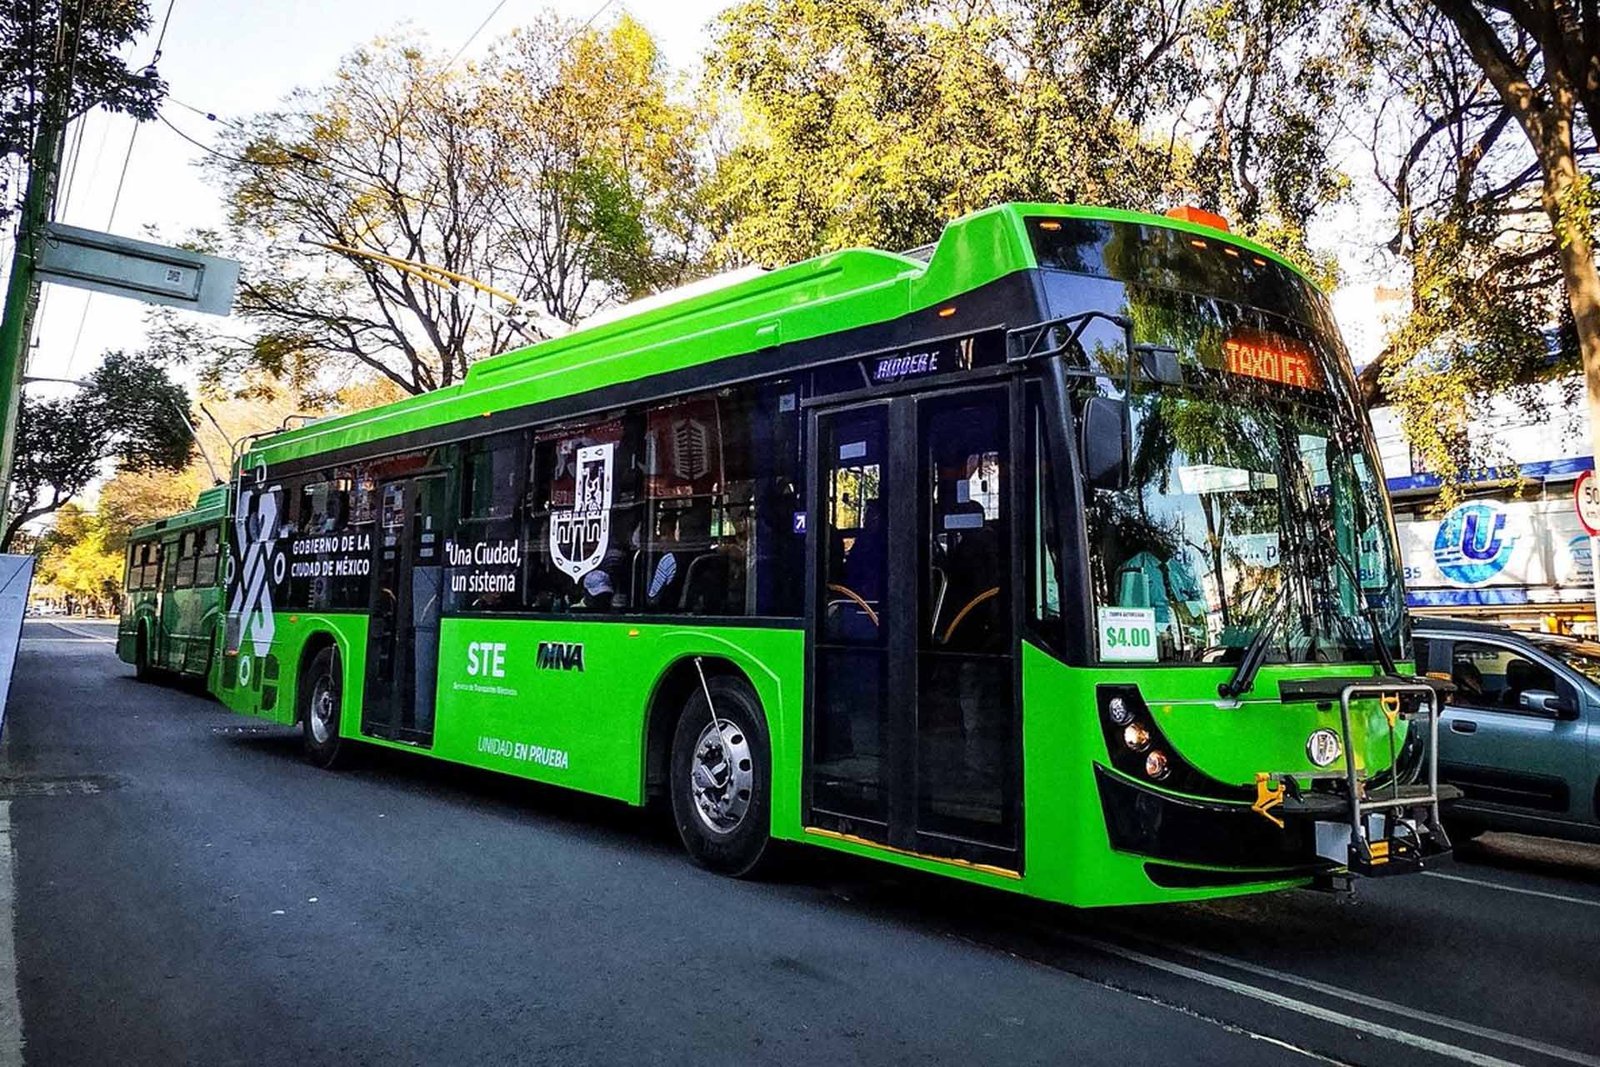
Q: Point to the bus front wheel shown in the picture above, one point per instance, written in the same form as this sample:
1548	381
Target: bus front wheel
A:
721	777
319	715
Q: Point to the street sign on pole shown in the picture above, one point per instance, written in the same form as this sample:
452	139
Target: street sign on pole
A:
1586	496
155	274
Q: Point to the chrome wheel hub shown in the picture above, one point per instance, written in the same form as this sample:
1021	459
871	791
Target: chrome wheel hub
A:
322	709
722	776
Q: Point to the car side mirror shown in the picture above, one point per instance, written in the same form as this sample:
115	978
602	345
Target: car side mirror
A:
1103	442
1545	702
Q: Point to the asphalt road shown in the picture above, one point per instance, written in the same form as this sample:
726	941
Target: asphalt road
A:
186	890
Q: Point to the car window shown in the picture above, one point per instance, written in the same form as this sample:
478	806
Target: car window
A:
1489	676
1582	656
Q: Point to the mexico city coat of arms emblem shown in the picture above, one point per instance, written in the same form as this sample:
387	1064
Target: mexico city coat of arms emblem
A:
579	536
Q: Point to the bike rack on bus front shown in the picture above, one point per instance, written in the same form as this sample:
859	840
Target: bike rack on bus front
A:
1392	855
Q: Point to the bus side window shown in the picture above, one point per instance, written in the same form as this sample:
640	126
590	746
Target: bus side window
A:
205	571
184	567
168	571
489	525
698	488
582	515
323	507
149	564
1044	564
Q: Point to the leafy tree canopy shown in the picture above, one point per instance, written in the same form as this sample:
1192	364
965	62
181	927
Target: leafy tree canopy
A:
128	412
43	44
876	121
555	172
1482	133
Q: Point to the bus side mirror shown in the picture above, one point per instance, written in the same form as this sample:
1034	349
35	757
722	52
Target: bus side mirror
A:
1103	442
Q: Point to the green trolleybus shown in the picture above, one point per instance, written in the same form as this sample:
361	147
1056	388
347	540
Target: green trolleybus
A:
1054	557
171	601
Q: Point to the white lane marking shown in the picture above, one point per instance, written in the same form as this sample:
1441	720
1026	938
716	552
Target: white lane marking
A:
68	641
1512	888
10	1004
1161	1002
1444	1021
1314	1011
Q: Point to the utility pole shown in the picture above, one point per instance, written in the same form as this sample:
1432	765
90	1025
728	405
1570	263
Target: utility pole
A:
22	294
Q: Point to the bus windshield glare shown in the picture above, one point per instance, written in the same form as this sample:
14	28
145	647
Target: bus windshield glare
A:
1252	499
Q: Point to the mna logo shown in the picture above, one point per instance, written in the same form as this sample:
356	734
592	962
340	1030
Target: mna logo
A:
560	656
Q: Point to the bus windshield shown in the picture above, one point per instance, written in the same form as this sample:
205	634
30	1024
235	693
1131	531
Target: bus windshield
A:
1253	499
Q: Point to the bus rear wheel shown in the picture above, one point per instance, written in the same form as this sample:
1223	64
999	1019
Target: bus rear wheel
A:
721	778
319	714
141	656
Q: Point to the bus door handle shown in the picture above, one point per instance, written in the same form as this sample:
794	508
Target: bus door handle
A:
1463	726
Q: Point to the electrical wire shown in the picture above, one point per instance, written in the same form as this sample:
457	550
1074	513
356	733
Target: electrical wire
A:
122	177
75	152
161	37
468	42
127	157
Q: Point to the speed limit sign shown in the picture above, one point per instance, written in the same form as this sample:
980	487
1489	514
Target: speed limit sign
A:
1586	494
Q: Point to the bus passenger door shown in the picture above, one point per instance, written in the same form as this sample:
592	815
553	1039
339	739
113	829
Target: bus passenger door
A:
913	736
850	735
403	625
167	648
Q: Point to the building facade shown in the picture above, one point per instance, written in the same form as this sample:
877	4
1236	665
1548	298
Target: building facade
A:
1513	550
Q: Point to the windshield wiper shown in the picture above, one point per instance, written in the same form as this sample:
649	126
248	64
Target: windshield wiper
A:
1379	646
1255	653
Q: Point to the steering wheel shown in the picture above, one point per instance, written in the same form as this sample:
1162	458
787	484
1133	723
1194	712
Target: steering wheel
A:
961	615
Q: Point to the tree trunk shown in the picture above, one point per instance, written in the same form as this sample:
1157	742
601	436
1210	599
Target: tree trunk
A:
1545	113
1582	281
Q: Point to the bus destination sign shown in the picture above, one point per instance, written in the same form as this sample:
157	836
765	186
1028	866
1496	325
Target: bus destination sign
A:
935	357
1271	358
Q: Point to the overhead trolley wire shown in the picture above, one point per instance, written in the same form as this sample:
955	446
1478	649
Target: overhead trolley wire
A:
468	42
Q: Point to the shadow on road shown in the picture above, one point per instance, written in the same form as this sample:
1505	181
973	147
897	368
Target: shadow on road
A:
459	785
1576	861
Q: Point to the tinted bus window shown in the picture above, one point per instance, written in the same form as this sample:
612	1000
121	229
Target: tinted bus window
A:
584	509
206	563
484	559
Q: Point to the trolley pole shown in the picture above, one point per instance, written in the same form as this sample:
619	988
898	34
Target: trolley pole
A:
22	293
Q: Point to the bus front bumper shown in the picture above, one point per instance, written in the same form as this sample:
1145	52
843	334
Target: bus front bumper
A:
1377	827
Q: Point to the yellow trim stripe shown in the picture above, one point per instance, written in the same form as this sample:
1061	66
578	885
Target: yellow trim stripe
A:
968	864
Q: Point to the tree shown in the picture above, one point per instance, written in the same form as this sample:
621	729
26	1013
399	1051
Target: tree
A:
1542	58
128	412
76	559
544	174
603	191
1482	256
876	121
47	44
131	498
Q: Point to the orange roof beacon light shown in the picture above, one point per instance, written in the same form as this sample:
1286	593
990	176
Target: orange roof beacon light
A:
1199	217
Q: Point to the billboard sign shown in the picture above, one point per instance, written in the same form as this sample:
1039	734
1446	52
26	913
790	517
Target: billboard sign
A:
1497	552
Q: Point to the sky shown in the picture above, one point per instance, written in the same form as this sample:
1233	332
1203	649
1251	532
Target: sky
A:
233	58
236	57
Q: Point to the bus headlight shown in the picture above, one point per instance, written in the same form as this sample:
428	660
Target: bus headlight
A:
1117	708
1135	736
1323	747
1155	765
